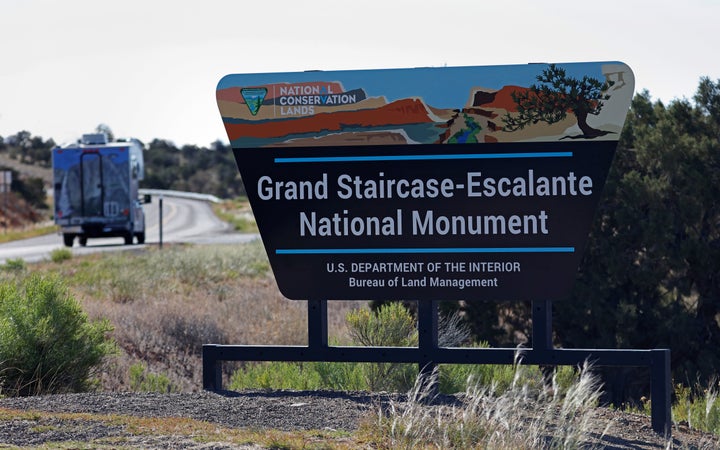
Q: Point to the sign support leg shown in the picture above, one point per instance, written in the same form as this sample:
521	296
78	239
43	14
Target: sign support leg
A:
428	344
661	392
542	325
542	335
212	367
317	324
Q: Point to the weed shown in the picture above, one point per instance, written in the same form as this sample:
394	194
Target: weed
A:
15	265
60	254
142	381
390	326
698	407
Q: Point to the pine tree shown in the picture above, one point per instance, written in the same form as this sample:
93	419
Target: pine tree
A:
555	96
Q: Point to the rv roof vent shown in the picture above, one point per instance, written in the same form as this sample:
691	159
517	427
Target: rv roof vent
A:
94	139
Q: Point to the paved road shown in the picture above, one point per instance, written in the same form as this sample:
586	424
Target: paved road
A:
184	220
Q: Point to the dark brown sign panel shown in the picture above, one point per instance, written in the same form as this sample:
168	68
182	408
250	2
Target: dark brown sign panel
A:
431	184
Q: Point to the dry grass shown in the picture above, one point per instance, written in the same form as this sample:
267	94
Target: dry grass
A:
524	416
27	231
165	304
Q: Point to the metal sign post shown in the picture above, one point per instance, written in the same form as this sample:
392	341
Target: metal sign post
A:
160	221
6	185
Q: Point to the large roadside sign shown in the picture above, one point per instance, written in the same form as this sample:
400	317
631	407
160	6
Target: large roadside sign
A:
453	183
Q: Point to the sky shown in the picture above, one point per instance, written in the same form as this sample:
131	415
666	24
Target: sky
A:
149	68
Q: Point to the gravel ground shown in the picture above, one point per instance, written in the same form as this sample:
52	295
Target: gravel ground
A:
282	410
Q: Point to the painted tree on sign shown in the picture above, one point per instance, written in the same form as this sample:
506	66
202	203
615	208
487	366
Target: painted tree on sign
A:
554	96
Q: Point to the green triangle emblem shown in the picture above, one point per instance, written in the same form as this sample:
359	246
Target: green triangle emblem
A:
254	98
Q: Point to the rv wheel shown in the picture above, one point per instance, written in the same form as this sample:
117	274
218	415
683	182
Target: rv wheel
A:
68	239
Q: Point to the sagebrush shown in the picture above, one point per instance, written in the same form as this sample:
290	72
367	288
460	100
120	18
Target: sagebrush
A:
47	342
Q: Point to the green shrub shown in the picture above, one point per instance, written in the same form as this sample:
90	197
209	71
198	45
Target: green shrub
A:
454	378
47	344
276	375
142	381
338	376
60	254
341	376
15	265
698	407
388	326
391	325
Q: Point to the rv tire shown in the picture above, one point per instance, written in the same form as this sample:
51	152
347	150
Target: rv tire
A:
68	239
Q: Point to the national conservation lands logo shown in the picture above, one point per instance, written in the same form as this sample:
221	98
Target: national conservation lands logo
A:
300	99
254	98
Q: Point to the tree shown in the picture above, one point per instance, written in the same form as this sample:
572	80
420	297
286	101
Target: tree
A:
104	128
31	189
557	94
708	98
650	277
30	149
17	144
40	151
192	168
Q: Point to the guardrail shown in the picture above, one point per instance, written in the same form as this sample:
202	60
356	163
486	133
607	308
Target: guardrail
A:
181	194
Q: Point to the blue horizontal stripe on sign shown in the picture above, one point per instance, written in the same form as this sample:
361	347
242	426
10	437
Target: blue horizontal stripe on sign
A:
371	158
369	251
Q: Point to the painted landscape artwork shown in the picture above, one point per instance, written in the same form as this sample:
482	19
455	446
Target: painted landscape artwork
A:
427	106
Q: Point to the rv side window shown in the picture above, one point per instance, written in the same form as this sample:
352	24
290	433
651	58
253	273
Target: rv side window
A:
135	168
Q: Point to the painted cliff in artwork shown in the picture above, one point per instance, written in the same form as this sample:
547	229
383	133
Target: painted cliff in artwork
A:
456	105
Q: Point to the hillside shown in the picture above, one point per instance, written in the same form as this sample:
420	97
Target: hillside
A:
16	212
27	170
